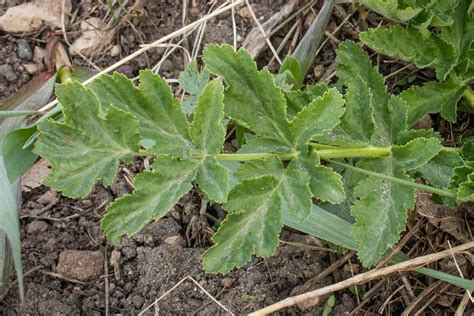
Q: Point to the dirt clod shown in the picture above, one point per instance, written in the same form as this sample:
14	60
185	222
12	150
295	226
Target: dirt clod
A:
82	265
37	227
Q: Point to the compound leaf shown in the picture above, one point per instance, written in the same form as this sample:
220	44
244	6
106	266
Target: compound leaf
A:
154	195
252	98
252	228
85	148
318	118
162	121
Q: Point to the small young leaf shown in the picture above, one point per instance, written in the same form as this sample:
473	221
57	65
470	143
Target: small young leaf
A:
154	195
252	228
193	82
252	98
318	118
85	148
291	65
297	99
161	118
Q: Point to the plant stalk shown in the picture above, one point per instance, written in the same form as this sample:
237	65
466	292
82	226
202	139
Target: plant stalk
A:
424	187
469	97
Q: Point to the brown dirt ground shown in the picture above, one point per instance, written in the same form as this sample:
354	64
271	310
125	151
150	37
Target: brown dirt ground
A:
147	266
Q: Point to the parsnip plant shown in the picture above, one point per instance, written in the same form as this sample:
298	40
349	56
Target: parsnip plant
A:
279	173
437	34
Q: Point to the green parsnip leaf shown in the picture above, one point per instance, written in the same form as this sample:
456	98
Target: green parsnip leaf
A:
207	131
252	98
318	118
252	227
380	211
161	118
374	118
416	153
393	10
155	194
439	170
325	184
433	97
213	179
423	48
85	148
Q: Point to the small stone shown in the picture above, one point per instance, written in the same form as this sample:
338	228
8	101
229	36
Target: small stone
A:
33	68
48	198
227	282
177	240
82	265
86	203
115	51
37	227
126	70
39	54
24	50
6	71
138	301
318	71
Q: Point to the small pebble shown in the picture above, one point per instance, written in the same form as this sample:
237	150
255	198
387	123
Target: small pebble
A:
115	51
177	240
39	54
6	71
24	50
82	265
32	68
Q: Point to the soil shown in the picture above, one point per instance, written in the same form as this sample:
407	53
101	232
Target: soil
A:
143	268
